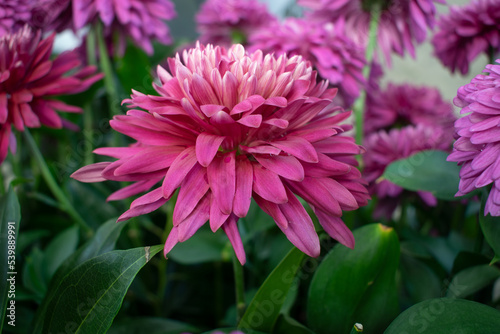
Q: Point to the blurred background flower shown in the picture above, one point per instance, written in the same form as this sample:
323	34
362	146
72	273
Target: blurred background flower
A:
406	104
225	22
466	32
384	147
325	45
402	23
29	79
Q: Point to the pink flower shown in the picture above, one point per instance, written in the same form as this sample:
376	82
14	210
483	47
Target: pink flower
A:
477	148
14	14
336	57
384	147
51	15
223	21
141	20
405	104
467	32
230	126
29	77
402	22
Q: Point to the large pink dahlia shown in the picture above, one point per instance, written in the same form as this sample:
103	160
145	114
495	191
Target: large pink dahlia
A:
467	32
28	80
230	126
224	21
402	22
405	104
335	56
141	20
384	147
477	149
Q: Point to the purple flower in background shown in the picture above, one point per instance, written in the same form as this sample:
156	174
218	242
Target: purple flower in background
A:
384	147
405	104
141	20
477	148
225	22
29	77
325	45
467	32
14	14
51	15
402	22
230	126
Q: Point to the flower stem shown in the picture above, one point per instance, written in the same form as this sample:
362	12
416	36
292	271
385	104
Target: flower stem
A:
359	106
240	288
54	187
109	84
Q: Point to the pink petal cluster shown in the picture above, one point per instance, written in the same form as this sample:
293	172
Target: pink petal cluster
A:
477	148
14	14
405	104
466	32
402	22
29	77
227	127
384	147
141	20
223	21
325	45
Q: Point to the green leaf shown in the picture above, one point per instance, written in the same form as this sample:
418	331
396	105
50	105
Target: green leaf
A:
265	307
286	324
103	241
10	212
58	250
90	296
446	315
490	226
426	171
203	246
471	280
150	325
420	281
356	285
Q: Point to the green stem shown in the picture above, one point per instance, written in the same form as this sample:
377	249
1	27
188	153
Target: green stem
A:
359	106
240	288
109	84
492	55
54	187
88	134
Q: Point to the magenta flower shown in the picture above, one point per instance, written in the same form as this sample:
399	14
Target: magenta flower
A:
402	22
477	148
51	15
141	20
14	14
405	104
467	32
224	21
230	126
336	57
29	77
384	147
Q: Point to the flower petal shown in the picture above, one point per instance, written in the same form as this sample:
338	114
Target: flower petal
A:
91	173
178	171
268	185
207	146
222	180
231	229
